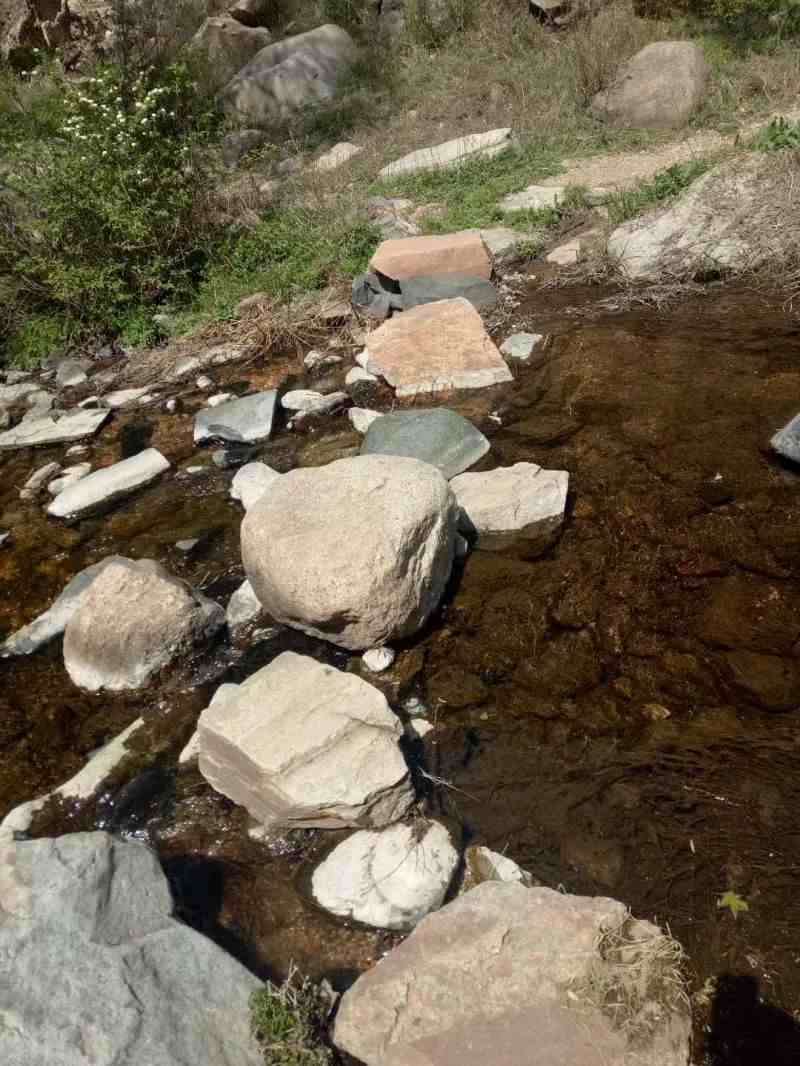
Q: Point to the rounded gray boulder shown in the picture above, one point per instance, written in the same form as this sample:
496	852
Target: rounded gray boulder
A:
357	552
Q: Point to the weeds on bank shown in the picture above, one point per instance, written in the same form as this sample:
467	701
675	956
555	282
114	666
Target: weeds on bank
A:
780	133
663	186
288	1020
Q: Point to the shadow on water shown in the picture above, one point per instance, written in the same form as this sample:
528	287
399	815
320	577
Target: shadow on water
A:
745	1031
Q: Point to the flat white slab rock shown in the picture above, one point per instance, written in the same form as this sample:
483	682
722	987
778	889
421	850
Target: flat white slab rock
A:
109	484
48	430
512	498
245	420
451	153
389	879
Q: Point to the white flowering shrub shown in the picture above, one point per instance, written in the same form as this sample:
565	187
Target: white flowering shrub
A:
115	205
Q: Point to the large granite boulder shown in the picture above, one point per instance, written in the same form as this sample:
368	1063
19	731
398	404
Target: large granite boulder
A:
303	744
508	975
290	76
97	971
736	217
134	620
357	552
390	879
434	435
659	88
224	46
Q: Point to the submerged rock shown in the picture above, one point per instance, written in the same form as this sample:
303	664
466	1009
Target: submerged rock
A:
390	879
357	552
303	744
437	435
92	492
133	621
136	985
505	973
522	498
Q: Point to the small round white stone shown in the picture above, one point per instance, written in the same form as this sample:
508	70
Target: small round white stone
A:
378	659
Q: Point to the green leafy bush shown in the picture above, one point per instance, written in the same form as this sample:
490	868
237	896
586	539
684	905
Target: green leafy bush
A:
780	133
113	212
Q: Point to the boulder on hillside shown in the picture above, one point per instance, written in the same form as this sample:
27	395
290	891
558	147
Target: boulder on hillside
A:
508	975
301	744
96	968
224	46
134	620
740	215
390	879
290	76
357	552
659	88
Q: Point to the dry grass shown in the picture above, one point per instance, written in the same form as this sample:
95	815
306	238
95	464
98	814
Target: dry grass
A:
638	981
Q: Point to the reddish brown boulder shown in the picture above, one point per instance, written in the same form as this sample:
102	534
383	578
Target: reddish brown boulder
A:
448	253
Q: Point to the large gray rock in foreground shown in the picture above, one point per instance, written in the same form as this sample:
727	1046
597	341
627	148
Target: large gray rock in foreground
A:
52	622
303	744
285	78
49	430
357	552
97	971
510	975
102	488
133	621
736	217
390	879
246	420
434	435
659	88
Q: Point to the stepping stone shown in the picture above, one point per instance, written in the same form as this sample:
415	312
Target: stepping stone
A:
447	253
786	441
522	498
49	430
245	420
112	483
534	198
436	435
520	345
301	744
451	153
428	289
436	347
389	879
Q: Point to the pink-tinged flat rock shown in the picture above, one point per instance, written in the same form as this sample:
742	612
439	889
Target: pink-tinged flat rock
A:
447	253
436	347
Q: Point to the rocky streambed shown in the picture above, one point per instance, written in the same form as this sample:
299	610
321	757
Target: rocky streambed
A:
615	711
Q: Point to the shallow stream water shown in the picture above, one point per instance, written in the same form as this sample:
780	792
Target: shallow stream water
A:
619	714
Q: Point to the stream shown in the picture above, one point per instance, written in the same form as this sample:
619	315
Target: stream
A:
619	715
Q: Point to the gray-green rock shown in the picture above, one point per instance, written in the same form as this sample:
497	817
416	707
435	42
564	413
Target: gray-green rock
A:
428	288
434	435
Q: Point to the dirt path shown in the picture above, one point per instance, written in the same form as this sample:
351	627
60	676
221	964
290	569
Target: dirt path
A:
621	170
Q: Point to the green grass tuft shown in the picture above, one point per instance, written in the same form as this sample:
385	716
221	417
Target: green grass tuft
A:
663	186
287	1021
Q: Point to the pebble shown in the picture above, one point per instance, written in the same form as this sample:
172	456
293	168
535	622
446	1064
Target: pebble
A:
172	405
186	546
4	538
77	449
218	398
377	660
204	382
317	360
301	400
